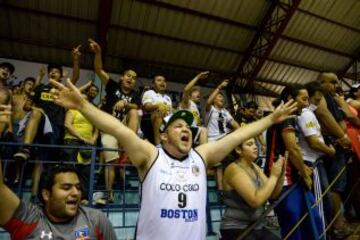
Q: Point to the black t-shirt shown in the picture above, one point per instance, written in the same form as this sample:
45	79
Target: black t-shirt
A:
114	94
276	147
42	98
245	121
334	108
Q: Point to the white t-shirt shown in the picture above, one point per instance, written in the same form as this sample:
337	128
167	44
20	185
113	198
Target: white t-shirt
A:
173	199
153	97
309	126
216	123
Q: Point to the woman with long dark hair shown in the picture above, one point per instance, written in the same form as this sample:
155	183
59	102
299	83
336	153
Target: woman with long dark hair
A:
246	190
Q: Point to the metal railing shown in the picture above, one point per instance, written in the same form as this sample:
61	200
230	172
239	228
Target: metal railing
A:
124	208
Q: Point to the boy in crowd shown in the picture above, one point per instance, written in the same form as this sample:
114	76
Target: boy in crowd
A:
190	101
218	121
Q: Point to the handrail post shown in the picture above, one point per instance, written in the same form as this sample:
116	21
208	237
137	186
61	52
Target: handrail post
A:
92	175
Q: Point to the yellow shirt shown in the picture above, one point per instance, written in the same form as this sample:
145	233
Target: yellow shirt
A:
85	129
81	124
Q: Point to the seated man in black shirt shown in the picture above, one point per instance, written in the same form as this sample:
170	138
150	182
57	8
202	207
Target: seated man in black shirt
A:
122	102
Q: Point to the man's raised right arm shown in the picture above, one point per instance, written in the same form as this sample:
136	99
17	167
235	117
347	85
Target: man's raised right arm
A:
212	96
137	149
190	85
140	152
98	66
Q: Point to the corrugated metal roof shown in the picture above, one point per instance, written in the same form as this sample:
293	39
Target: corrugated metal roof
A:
245	11
127	44
43	29
343	11
286	74
272	87
35	53
317	31
184	39
40	37
308	56
142	16
88	9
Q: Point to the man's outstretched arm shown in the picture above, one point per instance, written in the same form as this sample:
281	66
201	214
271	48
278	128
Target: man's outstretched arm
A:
98	66
140	152
186	92
212	96
215	152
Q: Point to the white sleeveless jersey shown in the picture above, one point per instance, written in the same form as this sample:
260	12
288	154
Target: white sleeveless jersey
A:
173	199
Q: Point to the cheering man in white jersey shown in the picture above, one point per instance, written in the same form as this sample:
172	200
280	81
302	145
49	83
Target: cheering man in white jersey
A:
173	177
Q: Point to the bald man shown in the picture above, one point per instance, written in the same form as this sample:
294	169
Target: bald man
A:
332	121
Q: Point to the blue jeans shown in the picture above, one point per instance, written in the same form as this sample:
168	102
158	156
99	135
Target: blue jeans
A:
333	165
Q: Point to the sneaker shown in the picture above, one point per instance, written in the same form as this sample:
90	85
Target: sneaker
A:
22	155
105	199
98	199
100	202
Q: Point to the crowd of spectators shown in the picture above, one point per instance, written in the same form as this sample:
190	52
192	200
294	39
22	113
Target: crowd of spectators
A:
311	149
